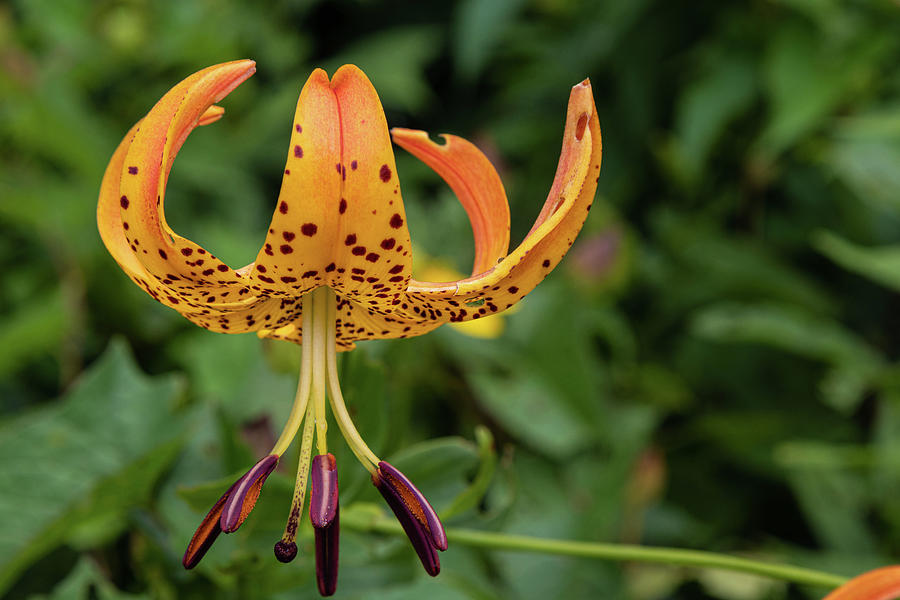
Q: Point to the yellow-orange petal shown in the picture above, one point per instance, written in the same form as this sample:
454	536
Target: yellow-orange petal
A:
880	584
146	168
553	233
475	182
339	220
228	307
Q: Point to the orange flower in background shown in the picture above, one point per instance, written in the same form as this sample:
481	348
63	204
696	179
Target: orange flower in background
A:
335	267
880	584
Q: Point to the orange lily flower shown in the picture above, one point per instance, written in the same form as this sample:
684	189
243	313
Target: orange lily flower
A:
879	584
335	267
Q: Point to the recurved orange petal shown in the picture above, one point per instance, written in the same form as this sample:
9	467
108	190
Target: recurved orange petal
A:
339	220
554	231
130	216
475	182
880	584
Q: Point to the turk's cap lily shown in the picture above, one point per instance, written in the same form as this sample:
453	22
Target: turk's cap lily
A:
339	219
229	511
419	520
335	267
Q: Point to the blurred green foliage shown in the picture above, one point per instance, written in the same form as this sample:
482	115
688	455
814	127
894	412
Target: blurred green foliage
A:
713	366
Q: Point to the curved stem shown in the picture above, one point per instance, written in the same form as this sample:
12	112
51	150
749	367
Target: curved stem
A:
669	556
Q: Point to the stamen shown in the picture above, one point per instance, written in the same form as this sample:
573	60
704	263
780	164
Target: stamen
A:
286	547
303	384
229	511
365	456
324	512
243	495
419	521
320	314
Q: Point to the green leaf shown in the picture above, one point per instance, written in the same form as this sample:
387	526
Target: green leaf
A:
32	330
480	25
705	110
881	264
856	364
86	582
115	422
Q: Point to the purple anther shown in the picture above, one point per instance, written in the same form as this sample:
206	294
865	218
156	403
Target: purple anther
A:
231	510
206	533
324	512
412	494
419	521
323	502
243	495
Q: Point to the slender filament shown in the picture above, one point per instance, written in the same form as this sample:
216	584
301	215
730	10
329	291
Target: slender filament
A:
303	385
320	314
290	530
368	458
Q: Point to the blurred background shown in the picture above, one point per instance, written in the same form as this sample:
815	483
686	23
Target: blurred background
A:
713	366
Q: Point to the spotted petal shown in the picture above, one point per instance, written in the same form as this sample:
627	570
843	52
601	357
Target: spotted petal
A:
339	220
131	218
553	232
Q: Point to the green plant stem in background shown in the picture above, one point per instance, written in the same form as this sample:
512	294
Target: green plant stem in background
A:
623	552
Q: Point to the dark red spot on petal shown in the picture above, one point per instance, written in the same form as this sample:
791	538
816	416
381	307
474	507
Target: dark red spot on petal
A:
222	268
187	251
396	278
288	279
261	268
310	274
396	221
331	267
385	173
132	170
123	201
309	229
546	263
513	289
163	254
396	269
208	272
388	243
285	249
342	207
298	151
359	250
283	207
288	235
353	164
372	257
350	239
579	127
298	128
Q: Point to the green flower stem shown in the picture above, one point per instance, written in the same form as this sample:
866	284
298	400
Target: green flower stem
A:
669	556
